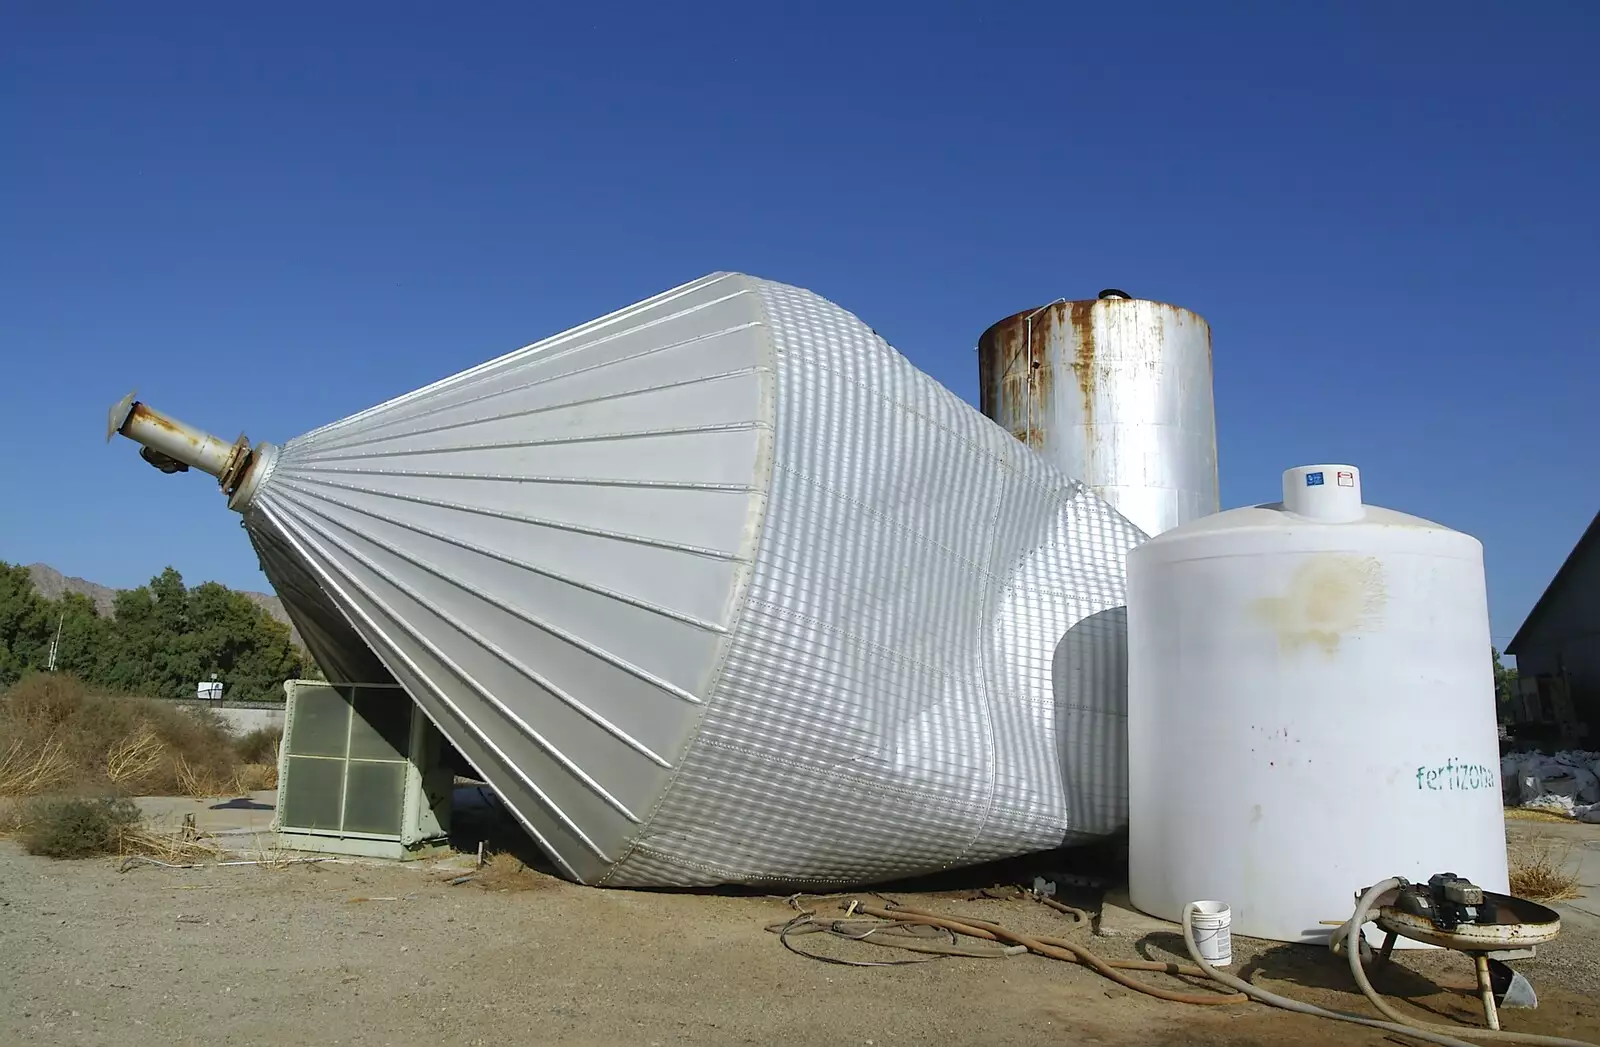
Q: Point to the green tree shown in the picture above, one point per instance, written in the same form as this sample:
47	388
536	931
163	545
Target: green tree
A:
24	638
129	659
1505	685
232	636
82	635
161	640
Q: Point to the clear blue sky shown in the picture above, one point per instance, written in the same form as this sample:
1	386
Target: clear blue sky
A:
268	218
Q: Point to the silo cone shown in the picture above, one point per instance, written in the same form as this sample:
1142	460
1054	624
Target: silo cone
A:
715	589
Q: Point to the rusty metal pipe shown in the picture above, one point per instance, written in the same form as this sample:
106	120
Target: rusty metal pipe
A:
174	447
167	436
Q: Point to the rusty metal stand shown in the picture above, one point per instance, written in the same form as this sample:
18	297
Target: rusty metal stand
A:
1486	989
1480	963
1388	945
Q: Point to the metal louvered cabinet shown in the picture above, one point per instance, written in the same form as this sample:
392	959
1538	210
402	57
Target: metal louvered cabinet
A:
359	772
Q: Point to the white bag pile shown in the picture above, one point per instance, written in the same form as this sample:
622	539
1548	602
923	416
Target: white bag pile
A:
1567	783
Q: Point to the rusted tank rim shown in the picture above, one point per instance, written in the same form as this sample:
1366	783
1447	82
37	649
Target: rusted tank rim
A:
1067	304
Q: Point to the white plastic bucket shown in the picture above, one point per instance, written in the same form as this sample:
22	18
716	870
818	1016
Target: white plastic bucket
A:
1211	922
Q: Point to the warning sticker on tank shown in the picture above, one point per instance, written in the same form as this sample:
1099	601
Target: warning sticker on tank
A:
1313	479
1346	479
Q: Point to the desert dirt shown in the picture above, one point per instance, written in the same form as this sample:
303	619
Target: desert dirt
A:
389	954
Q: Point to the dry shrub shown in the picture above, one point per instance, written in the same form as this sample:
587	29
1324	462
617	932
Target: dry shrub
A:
60	827
259	745
13	816
507	872
176	847
1539	871
202	780
200	759
55	736
254	777
134	759
28	766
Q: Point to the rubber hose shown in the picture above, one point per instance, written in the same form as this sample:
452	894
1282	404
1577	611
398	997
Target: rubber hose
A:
1161	966
1061	907
1063	951
1288	1004
1352	931
876	935
937	948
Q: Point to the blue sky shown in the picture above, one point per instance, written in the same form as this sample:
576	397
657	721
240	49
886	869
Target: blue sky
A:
266	219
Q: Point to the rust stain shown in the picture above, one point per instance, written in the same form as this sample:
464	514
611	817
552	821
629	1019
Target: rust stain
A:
1081	316
154	418
1043	382
1083	358
1015	379
1330	595
988	367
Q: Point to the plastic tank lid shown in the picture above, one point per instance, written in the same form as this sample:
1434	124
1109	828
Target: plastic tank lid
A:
1325	493
1312	494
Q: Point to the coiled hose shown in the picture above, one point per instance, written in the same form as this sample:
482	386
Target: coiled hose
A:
1352	932
1451	1035
1257	993
1056	948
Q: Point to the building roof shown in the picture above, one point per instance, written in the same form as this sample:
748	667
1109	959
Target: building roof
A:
1591	537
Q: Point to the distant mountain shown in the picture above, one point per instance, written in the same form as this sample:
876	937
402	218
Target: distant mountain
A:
51	583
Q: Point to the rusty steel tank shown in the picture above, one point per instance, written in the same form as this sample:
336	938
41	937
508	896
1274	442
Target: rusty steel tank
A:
1115	392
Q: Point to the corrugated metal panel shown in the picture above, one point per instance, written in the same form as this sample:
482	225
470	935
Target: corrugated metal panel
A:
721	588
547	551
338	649
887	707
1115	392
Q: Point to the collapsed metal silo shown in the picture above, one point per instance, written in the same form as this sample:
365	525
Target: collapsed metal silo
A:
716	589
1115	392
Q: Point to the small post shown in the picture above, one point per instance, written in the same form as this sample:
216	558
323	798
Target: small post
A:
55	644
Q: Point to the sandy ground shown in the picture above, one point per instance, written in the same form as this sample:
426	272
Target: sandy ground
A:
384	954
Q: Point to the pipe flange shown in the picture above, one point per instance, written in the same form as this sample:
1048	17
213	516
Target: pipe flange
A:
258	468
237	466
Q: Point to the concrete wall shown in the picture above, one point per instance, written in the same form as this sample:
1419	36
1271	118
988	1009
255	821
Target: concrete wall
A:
243	717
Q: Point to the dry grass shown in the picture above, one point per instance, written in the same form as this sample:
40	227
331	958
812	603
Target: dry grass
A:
1539	871
506	872
253	777
260	745
31	766
177	847
57	737
195	781
1534	814
135	758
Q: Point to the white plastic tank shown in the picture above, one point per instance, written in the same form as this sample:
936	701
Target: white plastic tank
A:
1311	709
